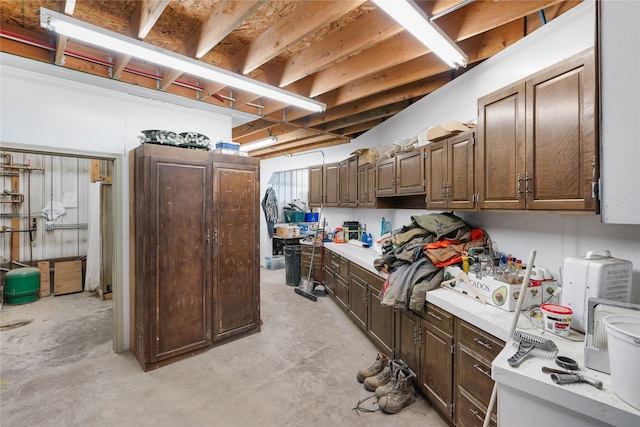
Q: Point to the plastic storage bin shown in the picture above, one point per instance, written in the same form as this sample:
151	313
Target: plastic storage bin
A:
274	262
293	216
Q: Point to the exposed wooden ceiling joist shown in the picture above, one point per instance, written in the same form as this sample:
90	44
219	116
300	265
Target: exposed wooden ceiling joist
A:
347	54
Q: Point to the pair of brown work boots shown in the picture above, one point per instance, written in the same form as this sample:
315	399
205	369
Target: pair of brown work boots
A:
390	379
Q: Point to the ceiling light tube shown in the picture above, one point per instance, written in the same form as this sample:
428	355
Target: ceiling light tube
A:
417	22
100	37
261	143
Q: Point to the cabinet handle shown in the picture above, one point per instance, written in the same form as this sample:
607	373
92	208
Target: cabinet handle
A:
484	344
477	414
519	185
487	373
208	236
420	336
215	234
526	185
438	318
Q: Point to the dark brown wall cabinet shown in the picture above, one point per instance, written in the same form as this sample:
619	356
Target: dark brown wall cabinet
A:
316	191
349	182
196	279
402	175
536	141
367	186
331	184
450	173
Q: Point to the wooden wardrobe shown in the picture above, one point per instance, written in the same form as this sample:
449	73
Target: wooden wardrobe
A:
195	251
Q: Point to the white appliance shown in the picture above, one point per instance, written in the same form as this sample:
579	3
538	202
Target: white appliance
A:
597	275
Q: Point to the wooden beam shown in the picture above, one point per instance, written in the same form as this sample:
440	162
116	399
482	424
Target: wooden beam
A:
481	16
69	6
120	62
361	127
150	11
304	20
228	16
169	77
424	66
339	45
61	44
365	116
395	51
407	92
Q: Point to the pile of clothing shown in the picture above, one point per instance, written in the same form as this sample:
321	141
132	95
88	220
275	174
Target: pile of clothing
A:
414	256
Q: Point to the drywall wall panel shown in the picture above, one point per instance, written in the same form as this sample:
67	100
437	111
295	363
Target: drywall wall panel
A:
619	44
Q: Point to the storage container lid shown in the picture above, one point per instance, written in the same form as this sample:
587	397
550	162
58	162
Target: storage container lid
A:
24	272
557	309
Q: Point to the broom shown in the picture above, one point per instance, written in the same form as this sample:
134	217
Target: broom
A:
306	286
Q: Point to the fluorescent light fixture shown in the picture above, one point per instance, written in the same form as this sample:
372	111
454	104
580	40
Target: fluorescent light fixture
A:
262	143
417	22
100	37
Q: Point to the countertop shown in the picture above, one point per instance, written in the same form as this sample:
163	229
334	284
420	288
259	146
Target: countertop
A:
603	405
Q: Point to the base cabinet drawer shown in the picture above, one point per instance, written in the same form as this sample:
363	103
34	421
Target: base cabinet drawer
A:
474	375
469	413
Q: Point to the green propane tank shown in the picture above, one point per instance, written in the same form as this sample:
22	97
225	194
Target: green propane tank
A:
22	285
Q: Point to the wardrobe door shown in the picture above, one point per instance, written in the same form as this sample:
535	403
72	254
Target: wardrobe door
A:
236	250
175	289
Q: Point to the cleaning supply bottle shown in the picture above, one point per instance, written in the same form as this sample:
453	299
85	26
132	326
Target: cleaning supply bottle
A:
338	235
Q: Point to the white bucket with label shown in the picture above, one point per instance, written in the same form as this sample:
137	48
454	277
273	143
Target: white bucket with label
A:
557	318
623	336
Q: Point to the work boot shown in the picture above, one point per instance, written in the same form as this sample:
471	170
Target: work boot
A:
372	383
374	369
384	389
401	394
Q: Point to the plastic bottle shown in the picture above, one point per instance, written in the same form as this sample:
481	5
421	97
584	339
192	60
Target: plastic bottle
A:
338	235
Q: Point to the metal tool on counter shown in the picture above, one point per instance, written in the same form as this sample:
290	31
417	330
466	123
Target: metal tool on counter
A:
531	344
564	377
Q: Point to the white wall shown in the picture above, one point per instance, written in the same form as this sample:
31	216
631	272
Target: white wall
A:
553	236
52	109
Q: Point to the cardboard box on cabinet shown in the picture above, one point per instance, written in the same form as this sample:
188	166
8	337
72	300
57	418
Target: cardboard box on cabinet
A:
447	130
501	294
366	156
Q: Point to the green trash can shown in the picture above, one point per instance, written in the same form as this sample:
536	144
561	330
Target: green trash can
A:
292	262
22	285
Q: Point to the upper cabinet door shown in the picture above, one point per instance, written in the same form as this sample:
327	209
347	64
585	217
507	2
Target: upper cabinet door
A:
410	173
436	171
501	149
315	186
561	143
331	177
386	177
460	186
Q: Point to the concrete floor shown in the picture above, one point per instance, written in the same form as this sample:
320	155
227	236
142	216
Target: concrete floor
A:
59	369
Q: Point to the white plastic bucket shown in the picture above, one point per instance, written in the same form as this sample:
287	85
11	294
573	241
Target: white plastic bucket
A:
557	318
623	335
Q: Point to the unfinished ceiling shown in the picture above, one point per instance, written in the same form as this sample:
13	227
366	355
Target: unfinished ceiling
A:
347	54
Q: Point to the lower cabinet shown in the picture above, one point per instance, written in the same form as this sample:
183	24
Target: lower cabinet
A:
437	364
450	357
380	318
408	339
474	352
